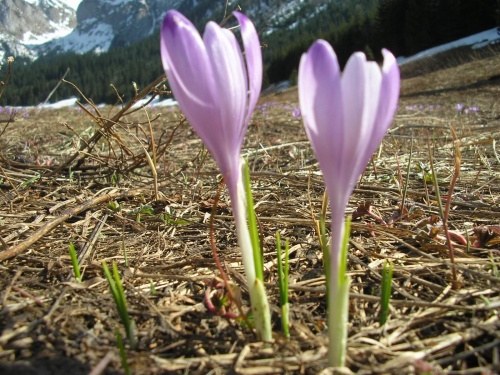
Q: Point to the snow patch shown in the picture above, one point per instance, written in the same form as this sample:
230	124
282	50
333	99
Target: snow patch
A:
479	40
166	103
60	31
117	2
98	39
61	104
72	3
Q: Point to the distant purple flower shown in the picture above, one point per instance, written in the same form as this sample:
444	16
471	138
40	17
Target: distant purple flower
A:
346	117
474	109
459	107
296	112
26	115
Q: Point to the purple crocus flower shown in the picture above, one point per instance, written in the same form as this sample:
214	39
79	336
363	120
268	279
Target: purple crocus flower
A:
296	112
217	89
459	107
211	83
346	117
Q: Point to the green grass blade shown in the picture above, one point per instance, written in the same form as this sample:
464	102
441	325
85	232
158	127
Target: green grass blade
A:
326	253
74	260
122	304
283	285
386	293
345	248
281	275
123	353
116	288
253	228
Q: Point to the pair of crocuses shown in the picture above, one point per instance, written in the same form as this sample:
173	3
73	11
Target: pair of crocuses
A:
345	115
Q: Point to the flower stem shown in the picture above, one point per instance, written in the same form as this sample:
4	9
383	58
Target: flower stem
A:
248	240
338	292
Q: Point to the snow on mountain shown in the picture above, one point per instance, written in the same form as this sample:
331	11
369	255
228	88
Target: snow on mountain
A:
35	27
72	3
25	24
59	31
97	37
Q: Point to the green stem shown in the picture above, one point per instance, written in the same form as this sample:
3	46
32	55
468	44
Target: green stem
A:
338	297
283	285
248	240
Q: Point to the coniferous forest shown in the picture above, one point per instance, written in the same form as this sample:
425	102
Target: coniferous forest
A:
403	26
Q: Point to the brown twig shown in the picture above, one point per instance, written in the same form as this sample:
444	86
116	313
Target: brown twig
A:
70	212
106	126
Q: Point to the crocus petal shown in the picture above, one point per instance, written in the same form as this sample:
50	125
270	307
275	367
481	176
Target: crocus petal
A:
253	56
209	80
388	102
231	85
190	60
360	90
345	122
321	106
190	76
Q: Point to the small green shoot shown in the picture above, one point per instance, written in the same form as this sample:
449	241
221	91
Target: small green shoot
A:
123	353
114	206
152	286
30	181
144	209
115	285
494	268
74	260
345	249
386	293
283	284
253	228
258	297
326	253
170	218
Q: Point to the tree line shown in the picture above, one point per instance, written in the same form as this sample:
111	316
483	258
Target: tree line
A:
403	26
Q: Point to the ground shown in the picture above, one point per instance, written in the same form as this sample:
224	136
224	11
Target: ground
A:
65	172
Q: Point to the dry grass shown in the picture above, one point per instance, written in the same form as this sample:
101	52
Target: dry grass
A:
50	324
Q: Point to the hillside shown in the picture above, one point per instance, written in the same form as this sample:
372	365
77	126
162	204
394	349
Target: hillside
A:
82	176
